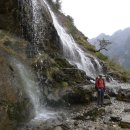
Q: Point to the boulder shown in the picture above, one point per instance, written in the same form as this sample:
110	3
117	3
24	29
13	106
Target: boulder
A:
67	96
112	90
124	95
125	122
115	118
127	110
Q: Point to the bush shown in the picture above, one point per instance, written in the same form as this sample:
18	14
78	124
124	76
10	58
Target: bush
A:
101	56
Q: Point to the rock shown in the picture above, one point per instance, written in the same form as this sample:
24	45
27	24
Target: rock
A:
124	95
57	128
115	118
91	115
107	102
70	95
15	106
127	110
113	90
79	95
8	15
125	122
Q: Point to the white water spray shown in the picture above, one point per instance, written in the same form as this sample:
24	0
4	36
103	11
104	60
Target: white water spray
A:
32	89
73	53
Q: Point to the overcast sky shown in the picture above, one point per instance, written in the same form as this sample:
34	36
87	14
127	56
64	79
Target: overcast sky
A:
93	17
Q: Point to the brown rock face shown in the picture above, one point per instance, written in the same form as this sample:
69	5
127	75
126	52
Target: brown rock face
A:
8	15
14	107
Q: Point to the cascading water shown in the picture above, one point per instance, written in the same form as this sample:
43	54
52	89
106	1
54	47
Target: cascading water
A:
73	53
32	25
32	89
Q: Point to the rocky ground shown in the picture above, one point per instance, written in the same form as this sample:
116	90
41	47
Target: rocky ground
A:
113	116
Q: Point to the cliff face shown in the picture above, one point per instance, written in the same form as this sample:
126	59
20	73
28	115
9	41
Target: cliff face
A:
16	16
15	106
8	15
55	75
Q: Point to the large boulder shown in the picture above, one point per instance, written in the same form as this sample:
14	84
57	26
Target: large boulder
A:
124	95
69	96
125	122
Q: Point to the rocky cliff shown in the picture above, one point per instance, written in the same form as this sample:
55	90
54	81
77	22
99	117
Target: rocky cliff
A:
27	34
15	106
54	72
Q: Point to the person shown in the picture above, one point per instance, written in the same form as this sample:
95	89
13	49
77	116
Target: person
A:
100	87
96	83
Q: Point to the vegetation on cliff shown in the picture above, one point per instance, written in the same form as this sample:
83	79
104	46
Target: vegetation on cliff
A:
116	70
53	71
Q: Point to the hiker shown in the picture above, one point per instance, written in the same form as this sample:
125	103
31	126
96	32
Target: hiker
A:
100	87
96	83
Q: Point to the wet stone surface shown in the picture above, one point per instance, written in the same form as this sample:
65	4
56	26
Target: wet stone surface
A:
87	117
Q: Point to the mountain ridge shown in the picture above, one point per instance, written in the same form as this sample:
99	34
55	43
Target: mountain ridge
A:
119	49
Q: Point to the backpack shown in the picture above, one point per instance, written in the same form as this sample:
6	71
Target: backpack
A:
101	83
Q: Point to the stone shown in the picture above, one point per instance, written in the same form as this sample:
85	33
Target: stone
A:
58	128
125	122
107	102
127	110
15	106
124	95
115	118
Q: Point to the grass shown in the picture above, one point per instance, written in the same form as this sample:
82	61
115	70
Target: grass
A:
12	45
117	70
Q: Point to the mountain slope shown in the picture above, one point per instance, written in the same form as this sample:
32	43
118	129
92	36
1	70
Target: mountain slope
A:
119	49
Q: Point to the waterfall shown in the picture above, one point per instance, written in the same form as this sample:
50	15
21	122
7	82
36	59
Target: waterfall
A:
32	24
30	86
72	52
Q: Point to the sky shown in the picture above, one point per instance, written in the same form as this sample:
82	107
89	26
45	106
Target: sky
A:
93	17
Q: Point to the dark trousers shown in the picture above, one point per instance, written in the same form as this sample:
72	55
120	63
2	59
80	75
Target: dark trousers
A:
100	96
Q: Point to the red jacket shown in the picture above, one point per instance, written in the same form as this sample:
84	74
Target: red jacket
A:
101	83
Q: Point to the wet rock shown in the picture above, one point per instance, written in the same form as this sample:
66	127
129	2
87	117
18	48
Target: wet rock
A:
69	96
113	90
127	110
15	106
115	118
107	99
8	15
90	115
124	95
125	122
107	102
79	95
58	128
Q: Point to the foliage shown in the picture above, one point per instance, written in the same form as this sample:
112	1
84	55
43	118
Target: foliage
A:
12	45
78	36
101	56
58	4
117	70
103	44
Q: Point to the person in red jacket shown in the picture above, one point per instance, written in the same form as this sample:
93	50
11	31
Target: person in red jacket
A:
100	85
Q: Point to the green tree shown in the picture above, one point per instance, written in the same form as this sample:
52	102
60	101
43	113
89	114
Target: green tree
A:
58	4
103	44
